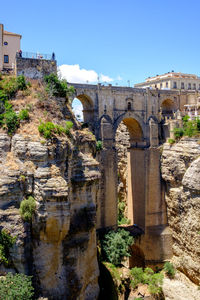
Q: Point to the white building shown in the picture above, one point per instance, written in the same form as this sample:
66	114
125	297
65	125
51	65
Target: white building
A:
172	81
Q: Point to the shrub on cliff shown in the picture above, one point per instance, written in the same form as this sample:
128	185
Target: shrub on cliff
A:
56	87
27	208
11	121
6	242
99	145
49	129
169	269
24	114
14	287
147	276
116	246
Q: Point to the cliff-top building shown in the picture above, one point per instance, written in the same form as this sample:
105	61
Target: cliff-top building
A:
9	46
172	81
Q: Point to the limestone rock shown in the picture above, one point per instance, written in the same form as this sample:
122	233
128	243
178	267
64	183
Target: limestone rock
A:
59	249
181	171
180	288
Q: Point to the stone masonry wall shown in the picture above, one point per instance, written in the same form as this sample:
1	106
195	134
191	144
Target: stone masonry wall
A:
35	68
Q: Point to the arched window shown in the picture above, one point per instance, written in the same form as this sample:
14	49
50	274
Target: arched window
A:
129	105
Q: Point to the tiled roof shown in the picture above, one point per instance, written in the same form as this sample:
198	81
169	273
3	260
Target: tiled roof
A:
11	33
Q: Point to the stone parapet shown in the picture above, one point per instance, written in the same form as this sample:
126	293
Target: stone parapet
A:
35	68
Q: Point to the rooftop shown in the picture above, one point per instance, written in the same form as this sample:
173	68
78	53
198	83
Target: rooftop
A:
11	33
172	74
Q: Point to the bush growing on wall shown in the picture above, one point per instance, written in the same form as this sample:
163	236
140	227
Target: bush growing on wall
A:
116	246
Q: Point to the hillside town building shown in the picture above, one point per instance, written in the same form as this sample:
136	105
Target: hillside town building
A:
171	81
9	46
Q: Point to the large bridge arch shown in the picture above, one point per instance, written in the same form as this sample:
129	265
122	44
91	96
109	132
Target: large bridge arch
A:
136	126
88	108
135	167
168	107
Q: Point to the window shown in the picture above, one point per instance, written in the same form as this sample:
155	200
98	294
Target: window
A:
166	84
194	86
5	43
174	85
129	105
189	86
182	85
6	59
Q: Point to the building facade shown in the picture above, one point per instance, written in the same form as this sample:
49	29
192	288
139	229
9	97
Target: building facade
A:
9	46
172	81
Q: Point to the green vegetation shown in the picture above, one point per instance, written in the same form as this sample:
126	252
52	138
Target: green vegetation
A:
27	208
169	269
16	287
24	114
99	145
8	88
115	246
171	141
147	276
11	121
6	242
56	87
190	128
121	213
49	129
22	84
9	85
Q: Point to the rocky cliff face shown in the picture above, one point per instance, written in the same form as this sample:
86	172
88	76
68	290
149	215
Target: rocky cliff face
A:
59	247
122	143
181	173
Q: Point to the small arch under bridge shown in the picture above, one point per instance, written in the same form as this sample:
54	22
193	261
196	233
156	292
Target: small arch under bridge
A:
143	112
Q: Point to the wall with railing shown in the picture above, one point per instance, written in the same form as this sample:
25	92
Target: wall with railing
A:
33	67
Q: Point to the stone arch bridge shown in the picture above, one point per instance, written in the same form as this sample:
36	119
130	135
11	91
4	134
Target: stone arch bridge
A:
143	112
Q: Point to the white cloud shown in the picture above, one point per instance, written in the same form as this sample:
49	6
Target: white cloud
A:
105	78
74	74
119	77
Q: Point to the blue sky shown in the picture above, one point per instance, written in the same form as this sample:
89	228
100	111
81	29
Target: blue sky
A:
127	40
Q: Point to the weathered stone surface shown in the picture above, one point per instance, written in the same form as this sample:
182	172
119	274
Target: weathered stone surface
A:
35	68
4	145
180	170
60	249
180	288
191	179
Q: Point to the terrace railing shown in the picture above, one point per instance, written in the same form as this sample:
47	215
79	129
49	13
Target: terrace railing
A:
35	55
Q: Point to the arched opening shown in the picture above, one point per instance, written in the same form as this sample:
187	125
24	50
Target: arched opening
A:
131	173
77	108
83	108
129	105
168	107
137	258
